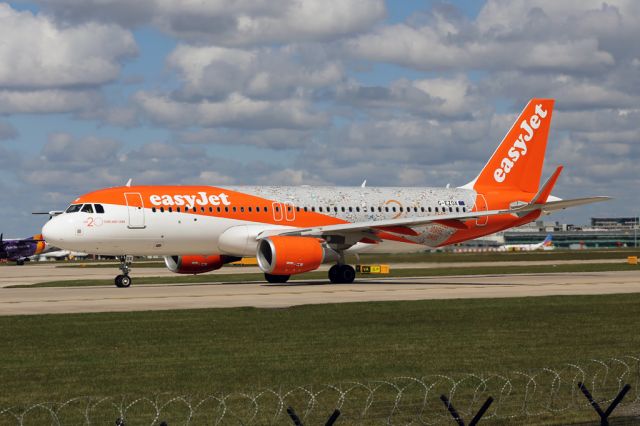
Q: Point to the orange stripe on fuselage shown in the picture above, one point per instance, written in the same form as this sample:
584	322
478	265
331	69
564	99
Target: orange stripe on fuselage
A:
238	200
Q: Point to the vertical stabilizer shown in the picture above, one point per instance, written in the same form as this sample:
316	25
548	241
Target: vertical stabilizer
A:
518	161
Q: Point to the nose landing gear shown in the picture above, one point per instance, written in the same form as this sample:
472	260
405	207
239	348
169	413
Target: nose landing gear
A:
124	280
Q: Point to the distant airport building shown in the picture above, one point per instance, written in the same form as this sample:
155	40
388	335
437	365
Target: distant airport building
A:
603	232
609	232
614	222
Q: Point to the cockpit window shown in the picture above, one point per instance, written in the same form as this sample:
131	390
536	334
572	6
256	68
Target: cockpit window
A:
87	208
73	208
99	208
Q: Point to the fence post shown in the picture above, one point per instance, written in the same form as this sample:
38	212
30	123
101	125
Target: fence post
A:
296	420
604	415
459	419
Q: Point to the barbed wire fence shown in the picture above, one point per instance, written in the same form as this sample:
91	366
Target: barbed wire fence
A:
542	395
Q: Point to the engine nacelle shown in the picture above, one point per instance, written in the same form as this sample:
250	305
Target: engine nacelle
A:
196	264
293	255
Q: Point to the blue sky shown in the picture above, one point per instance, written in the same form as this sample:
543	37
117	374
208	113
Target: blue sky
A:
414	93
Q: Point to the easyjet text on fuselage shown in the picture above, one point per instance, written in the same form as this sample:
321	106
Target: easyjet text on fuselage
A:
190	201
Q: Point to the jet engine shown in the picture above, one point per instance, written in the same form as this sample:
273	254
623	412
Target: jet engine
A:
293	255
197	264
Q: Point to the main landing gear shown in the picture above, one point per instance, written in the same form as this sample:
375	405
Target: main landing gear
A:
124	280
342	274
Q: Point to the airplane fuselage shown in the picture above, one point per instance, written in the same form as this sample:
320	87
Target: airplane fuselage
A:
181	220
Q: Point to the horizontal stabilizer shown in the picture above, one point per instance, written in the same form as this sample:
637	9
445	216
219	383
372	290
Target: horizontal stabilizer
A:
558	205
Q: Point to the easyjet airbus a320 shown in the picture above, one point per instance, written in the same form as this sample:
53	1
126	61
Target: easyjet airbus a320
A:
292	230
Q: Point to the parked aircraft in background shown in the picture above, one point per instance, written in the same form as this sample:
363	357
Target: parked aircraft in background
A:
19	250
292	230
58	255
546	244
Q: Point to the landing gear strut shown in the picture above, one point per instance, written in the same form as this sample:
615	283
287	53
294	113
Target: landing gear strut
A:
342	274
124	280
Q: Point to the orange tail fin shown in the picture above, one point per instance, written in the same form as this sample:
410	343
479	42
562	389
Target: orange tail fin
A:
517	163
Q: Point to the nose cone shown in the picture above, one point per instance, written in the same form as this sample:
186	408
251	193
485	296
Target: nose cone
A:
56	232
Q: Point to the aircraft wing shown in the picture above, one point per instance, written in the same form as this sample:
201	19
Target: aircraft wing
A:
455	220
403	225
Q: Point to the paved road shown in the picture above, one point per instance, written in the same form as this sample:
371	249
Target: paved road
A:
14	301
37	273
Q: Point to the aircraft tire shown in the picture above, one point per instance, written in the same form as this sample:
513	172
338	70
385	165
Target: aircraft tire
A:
123	281
276	279
20	262
342	274
347	274
334	274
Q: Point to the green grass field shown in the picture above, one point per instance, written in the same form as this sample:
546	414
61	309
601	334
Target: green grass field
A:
409	272
200	352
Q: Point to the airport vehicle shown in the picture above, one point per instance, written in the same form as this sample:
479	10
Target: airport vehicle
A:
20	250
546	244
292	230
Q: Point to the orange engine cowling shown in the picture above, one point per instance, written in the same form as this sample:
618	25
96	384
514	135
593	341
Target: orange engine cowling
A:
292	255
197	264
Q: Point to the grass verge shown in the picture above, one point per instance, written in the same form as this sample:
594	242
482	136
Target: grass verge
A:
200	352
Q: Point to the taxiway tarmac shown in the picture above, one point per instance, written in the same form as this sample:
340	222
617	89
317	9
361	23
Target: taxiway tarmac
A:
21	301
31	274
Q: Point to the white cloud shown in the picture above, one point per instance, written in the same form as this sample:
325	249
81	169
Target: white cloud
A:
262	73
234	111
507	35
37	52
237	23
47	101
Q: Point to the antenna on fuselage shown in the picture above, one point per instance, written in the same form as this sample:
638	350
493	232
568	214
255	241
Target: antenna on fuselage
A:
128	182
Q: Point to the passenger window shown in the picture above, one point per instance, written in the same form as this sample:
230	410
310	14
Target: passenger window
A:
305	209
235	209
242	209
394	209
153	209
161	209
357	209
313	209
87	208
343	209
350	209
320	208
170	209
450	209
429	208
266	209
210	209
400	209
249	209
386	209
258	209
437	210
458	209
226	209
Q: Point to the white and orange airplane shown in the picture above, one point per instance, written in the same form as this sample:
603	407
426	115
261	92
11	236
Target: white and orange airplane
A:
292	230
